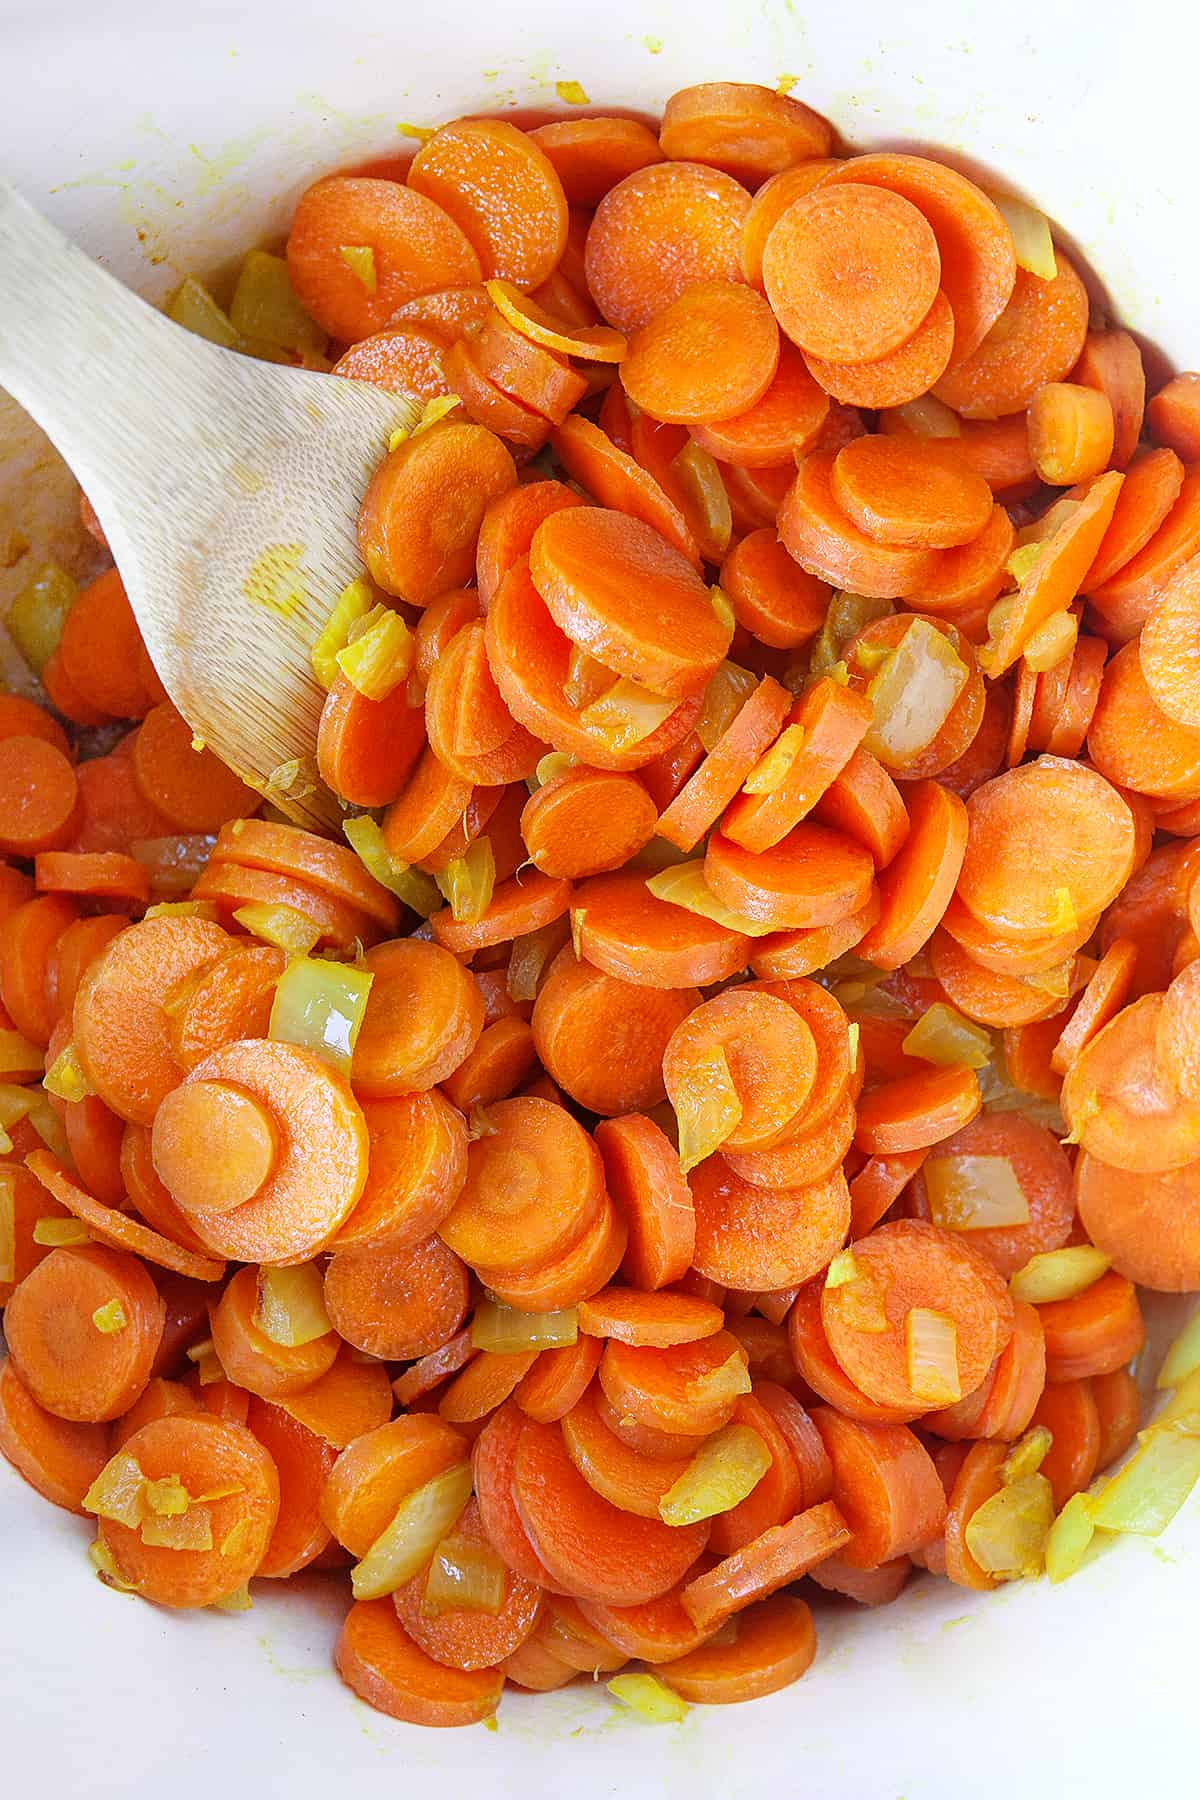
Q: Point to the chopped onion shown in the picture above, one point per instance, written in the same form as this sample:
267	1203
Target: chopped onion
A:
724	698
191	1530
1007	1534
360	260
709	513
8	1224
422	1520
110	1318
931	1346
1145	1495
649	1698
577	916
16	1102
723	607
1057	981
208	1364
683	884
353	603
237	1602
104	1563
507	1330
468	882
551	766
231	1543
379	655
942	1036
1019	565
913	694
775	764
291	1305
586	678
721	1385
193	307
707	1107
18	1057
1030	234
1069	1538
727	1467
464	1576
119	1491
1183	1358
59	1234
862	1303
320	1006
1059	1274
284	926
38	613
1183	1408
417	889
974	1193
626	714
845	618
1027	1454
1052	642
529	957
930	418
168	1498
842	1270
265	308
65	1078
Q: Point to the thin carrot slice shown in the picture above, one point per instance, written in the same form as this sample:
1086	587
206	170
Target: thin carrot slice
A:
253	1360
1037	1164
784	421
101	649
774	1645
807	1157
493	1460
1144	1223
502	1061
602	1039
423	1015
747	130
916	1111
404	358
864	803
378	1469
626	1478
1172	416
1068	1411
753	1237
501	189
461	1638
1103	997
471	731
39	796
1120	1104
191	787
113	813
902	375
1111	363
1053	581
508	526
377	1658
1169	647
576	1273
885	1486
1126	597
533	1186
657	232
537	377
587	821
558	1380
826	542
1036	339
421	1378
917	884
1119	1407
66	698
642	1173
1094	1332
1134	742
96	874
826	726
670	370
593	155
1071	430
914	493
821	1370
367	749
487	405
812	877
229	998
396	1304
770	203
984	995
660	1318
977	1481
616	480
230	887
59	1457
689	1388
780	1555
971	575
769	1051
787	955
70	1365
624	930
419	564
302	1461
27	945
772	597
522	904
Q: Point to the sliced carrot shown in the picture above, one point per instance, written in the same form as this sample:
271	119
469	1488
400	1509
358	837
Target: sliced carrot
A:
885	1487
39	796
486	1382
1173	416
592	155
378	1469
69	1364
587	821
1105	994
113	812
152	1201
1125	598
753	1237
984	995
602	1039
774	1644
421	564
977	1480
27	946
404	358
901	375
66	698
59	1457
642	1173
539	378
533	1186
812	877
101	649
95	874
1119	1102
780	1555
1119	1407
1071	432
825	540
864	802
383	1665
447	312
689	1388
915	493
807	1157
1068	1411
1038	338
1064	735
471	731
522	904
770	203
1169	646
580	1270
876	1187
253	1360
350	1399
423	1015
20	717
626	1478
916	1111
747	130
1111	363
367	749
558	1379
624	930
829	723
487	405
917	884
973	574
822	1371
493	1458
230	886
670	369
786	955
501	189
507	529
421	1378
159	1399
396	1304
225	999
1134	742
1042	1172
1096	1331
657	232
459	1638
189	786
785	421
502	1061
772	597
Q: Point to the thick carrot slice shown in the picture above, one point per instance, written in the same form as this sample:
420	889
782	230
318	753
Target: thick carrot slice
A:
642	1173
1119	1408
471	731
916	492
1119	1102
537	377
459	1638
1040	1168
228	998
192	788
780	1555
27	946
592	155
449	313
755	495
415	246
229	886
1036	339
679	367
1111	363
367	749
774	599
396	1304
39	796
624	930
1103	997
405	358
487	405
522	904
900	376
1068	1411
775	1643
69	1364
825	540
558	1380
829	723
1134	742
101	649
983	994
599	1551
753	1237
302	1462
508	525
423	1015
659	231
169	1227
1125	598
501	189
441	621
602	1039
812	877
533	1186
689	1389
1067	549
378	1469
486	1382
412	548
821	1370
253	1360
577	1272
781	1491
587	821
977	1480
917	884
59	1457
1071	431
113	813
770	1053
75	950
1065	734
885	1486
916	1111
1093	1333
1144	1223
659	1318
428	806
377	1658
807	1157
851	271
1174	416
770	203
625	1477
747	130
784	955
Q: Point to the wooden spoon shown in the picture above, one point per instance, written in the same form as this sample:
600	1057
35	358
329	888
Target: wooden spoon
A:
228	489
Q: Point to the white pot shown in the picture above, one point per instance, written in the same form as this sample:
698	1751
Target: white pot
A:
170	138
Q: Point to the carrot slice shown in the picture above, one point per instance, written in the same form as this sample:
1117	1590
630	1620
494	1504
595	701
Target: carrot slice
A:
507	528
1169	647
113	813
821	1370
747	130
626	1478
423	1015
916	1111
657	232
587	821
863	802
20	717
977	1480
166	1219
1040	1168
580	1270
772	597
780	1555
1071	430
638	1318
878	1184
825	540
642	1173
396	1304
917	884
421	560
1145	1223
190	787
690	1389
302	1462
785	955
809	1155
753	1237
885	1486
983	994
101	649
851	271
378	1469
1068	1411
558	1380
487	405
61	1458
914	493
1134	742
39	796
518	906
671	367
501	189
1172	416
1036	339
1119	1103
533	1186
592	155
228	998
1119	1408
404	358
457	1637
256	1362
775	1643
900	376
96	874
72	1367
1126	597
471	731
528	372
367	749
827	724
377	1658
971	575
27	946
1103	997
602	1039
624	930
1111	363
1094	1332
812	877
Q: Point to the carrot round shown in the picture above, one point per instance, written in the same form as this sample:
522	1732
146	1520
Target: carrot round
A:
784	955
808	1156
977	1480
710	354
615	479
772	597
1152	485
1111	364
642	1173
657	232
864	802
95	874
971	575
559	1379
753	1237
534	1184
1094	1332
602	1039
1173	416
507	528
1037	339
101	649
227	998
1103	997
367	749
582	1269
1071	432
302	1462
1068	1411
70	1365
190	787
253	1360
627	932
1125	599
775	1643
471	731
383	1665
1134	742
817	1365
31	934
39	796
1042	1172
419	563
812	877
423	1014
625	1477
458	1638
825	540
902	375
536	376
378	1469
587	821
916	1111
1119	1408
113	812
984	995
396	1304
404	358
915	493
1145	1223
59	1457
501	189
884	1485
829	721
592	155
770	1053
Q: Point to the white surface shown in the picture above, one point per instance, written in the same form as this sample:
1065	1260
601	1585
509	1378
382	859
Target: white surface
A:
195	127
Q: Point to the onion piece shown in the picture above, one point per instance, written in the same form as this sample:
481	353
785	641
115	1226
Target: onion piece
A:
265	309
710	515
59	1234
843	1269
1052	642
353	604
1058	1274
943	1036
1027	1454
191	1530
119	1491
1069	1538
291	1305
320	1006
845	618
1183	1408
724	697
707	1107
586	678
649	1698
1145	1495
65	1078
776	763
1183	1358
529	957
417	889
168	1498
550	767
360	260
683	884
862	1304
931	1348
1030	235
464	1576
596	343
193	307
110	1318
928	417
974	1193
102	1560
284	926
727	1467
509	1331
379	655
468	882
626	714
38	613
1007	1534
237	1602
8	1224
422	1520
913	693
719	1386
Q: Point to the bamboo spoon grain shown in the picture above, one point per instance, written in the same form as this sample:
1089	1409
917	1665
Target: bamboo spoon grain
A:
228	490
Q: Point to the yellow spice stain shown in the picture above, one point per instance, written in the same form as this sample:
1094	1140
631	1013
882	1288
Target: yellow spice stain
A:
276	579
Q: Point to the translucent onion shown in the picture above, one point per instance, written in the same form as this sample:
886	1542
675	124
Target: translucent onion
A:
8	1224
626	714
110	1318
551	766
1030	234
586	678
264	307
60	1234
1027	1454
1183	1358
1183	1408
775	764
36	617
942	1036
842	1270
913	694
1052	642
183	909
931	1348
722	606
119	1491
930	418
1020	566
1007	1534
649	1698
65	1078
480	1122
464	1576
683	884
707	1107
360	260
845	618
1145	1495
507	1330
724	697
193	307
320	1006
720	1386
353	603
974	1193
379	654
417	889
727	1467
284	926
291	1305
528	958
1069	1538
237	1602
231	1543
168	1498
19	1059
1065	916
709	513
468	882
102	1560
1057	981
1059	1274
862	1304
422	1520
191	1530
